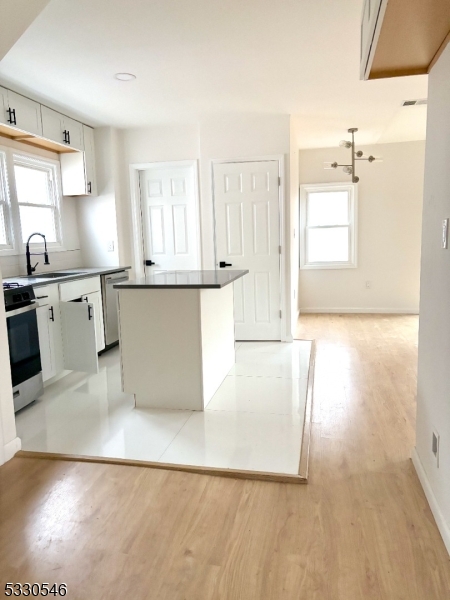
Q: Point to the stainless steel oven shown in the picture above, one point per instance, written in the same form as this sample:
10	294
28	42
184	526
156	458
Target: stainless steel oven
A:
23	340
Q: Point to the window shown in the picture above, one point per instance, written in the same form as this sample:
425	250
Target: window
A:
37	197
5	212
31	201
328	226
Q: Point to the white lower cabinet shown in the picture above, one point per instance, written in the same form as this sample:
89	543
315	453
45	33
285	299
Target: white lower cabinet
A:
95	298
49	328
46	342
70	324
79	336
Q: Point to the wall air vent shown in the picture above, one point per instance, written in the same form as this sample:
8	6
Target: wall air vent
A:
415	102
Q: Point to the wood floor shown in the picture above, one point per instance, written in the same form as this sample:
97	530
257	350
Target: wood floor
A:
361	529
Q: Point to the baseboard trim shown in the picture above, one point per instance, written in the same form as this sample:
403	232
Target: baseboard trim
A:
12	447
442	526
374	311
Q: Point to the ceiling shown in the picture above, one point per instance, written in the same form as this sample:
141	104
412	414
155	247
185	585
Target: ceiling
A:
199	57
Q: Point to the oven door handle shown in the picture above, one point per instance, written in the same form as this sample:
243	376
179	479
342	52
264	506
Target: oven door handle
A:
20	311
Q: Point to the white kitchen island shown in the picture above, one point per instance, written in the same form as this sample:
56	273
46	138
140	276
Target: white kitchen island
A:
176	332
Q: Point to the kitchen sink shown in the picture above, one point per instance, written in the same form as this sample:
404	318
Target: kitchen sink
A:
56	275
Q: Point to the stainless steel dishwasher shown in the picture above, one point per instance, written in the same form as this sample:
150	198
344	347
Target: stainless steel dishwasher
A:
109	300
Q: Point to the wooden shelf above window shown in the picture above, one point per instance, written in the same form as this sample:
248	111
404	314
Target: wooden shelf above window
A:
27	138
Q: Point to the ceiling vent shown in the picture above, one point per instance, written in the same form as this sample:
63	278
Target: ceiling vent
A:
414	102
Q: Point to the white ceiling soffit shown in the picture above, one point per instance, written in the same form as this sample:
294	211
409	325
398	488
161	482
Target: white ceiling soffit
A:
407	124
199	57
15	17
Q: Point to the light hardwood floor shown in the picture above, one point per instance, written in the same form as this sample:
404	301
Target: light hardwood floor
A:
361	529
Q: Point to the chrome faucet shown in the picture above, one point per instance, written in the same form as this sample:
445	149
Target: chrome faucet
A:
30	269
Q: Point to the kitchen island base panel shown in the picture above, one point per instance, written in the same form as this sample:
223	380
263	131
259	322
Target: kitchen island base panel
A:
217	325
176	346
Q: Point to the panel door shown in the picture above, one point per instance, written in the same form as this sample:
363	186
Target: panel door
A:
96	300
89	160
75	129
52	125
79	336
3	106
27	113
170	218
46	342
55	324
246	197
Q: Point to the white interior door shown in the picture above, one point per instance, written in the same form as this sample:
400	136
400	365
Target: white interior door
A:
170	218
246	197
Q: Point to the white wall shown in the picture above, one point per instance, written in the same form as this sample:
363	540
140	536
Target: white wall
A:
151	144
433	391
218	137
71	256
294	233
9	442
389	232
236	136
97	221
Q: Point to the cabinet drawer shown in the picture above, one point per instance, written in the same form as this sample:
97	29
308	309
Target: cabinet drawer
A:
42	295
75	289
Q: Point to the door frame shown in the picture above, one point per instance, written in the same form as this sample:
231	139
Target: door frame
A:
286	334
136	209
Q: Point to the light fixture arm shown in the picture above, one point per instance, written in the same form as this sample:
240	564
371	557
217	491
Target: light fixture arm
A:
354	178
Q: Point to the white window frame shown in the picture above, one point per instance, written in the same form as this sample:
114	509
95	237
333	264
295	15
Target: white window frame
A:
352	225
14	156
5	201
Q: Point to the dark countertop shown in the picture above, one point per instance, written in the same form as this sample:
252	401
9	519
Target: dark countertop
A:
183	280
72	275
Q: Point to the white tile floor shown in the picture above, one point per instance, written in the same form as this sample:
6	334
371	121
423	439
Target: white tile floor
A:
253	422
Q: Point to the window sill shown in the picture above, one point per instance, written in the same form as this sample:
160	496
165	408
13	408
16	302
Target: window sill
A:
329	266
33	248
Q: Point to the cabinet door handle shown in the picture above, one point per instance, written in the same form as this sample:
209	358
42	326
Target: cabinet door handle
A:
65	140
52	314
68	137
11	116
90	312
89	187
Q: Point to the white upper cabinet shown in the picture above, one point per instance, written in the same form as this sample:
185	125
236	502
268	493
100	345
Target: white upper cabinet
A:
20	112
75	140
89	161
61	129
78	168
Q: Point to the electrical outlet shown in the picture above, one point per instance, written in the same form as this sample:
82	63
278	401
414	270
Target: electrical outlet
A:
435	439
111	246
368	284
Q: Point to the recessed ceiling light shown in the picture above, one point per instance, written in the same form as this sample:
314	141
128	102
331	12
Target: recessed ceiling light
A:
125	76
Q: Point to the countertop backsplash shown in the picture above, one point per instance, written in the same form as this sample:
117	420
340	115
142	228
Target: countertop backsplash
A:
15	266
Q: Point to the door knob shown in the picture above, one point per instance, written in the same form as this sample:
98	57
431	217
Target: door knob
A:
224	264
149	263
